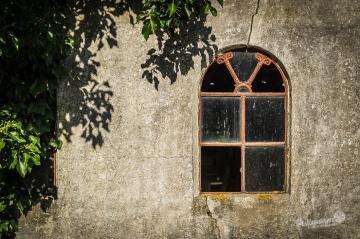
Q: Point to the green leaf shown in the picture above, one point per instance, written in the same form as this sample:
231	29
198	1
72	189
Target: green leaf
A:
36	159
213	11
168	22
14	158
172	8
221	2
162	23
56	144
14	154
26	157
13	163
153	25
20	206
2	206
33	148
21	168
146	30
50	34
15	41
2	145
207	7
15	136
70	42
187	11
35	140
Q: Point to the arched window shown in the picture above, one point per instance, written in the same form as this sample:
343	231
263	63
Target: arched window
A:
243	124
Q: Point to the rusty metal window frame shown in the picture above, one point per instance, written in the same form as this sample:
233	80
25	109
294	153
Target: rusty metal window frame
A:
262	60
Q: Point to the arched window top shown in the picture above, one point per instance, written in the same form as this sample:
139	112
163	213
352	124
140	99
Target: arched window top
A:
239	71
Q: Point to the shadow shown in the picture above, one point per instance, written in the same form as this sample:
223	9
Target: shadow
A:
175	52
85	99
37	188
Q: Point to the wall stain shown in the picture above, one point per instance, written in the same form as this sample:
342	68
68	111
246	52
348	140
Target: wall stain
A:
338	218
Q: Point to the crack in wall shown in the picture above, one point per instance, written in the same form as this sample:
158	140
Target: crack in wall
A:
213	219
252	22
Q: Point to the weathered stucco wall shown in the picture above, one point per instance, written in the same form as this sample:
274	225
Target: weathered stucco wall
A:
143	181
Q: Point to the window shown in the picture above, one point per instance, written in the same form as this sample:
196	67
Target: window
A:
243	125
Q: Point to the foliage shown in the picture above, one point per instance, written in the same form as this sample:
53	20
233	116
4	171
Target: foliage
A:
33	43
21	149
19	144
170	15
35	40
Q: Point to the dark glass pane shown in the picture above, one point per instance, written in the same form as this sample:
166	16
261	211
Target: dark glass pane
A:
220	169
217	79
265	119
243	64
268	79
220	119
264	169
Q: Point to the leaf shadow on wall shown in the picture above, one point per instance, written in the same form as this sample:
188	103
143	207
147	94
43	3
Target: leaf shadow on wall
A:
85	98
175	53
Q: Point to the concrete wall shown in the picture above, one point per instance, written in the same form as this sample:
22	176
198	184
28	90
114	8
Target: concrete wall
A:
129	168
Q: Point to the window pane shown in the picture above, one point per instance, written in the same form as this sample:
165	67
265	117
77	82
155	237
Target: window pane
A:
220	119
264	169
243	64
217	79
265	119
220	169
268	79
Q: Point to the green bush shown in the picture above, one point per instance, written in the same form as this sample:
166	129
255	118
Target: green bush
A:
21	149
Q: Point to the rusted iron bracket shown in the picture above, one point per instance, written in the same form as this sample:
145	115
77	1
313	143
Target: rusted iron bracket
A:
225	59
263	60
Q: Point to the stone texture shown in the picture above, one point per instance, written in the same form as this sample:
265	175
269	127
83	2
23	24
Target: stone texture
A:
143	181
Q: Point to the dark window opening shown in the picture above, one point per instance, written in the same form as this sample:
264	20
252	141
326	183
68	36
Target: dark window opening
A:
264	167
265	119
218	79
220	119
243	64
220	169
268	79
